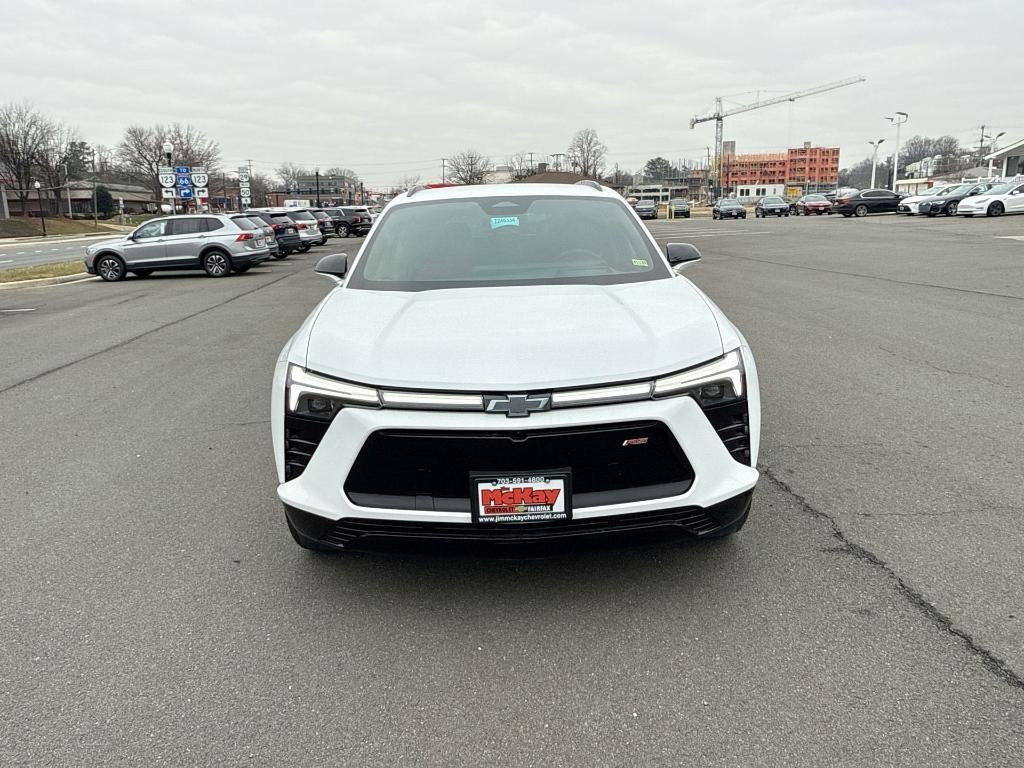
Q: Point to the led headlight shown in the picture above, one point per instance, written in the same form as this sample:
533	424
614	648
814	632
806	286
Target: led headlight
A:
321	398
714	383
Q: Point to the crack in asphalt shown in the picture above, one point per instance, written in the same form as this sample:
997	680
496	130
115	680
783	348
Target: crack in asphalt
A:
875	277
944	623
940	369
129	340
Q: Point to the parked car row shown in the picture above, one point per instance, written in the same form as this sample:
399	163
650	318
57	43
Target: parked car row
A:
224	243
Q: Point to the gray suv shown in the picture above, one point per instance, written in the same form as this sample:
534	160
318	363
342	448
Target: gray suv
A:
214	243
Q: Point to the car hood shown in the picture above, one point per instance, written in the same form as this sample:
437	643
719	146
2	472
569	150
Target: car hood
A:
512	338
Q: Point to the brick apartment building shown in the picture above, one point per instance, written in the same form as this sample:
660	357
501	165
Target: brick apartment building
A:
799	170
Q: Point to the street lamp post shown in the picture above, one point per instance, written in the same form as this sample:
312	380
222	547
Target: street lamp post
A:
874	158
317	172
168	150
42	213
992	146
898	119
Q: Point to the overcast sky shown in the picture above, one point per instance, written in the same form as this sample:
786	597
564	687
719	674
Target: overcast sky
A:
388	88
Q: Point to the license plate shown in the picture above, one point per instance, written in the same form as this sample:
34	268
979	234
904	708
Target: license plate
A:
529	497
259	241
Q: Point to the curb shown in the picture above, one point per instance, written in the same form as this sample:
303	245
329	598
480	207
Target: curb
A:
41	281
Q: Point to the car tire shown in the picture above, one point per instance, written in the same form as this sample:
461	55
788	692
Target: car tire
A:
282	254
951	208
305	248
342	230
714	215
110	268
996	209
142	272
860	210
216	263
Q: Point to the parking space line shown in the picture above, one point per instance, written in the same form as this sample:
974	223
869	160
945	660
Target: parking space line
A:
1010	237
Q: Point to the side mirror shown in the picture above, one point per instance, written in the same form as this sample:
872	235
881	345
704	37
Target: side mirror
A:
680	255
335	265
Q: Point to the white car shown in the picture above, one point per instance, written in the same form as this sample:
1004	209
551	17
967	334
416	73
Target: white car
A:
1000	199
513	363
908	205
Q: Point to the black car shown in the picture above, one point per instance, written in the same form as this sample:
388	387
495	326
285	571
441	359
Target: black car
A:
948	202
350	221
728	208
646	209
771	206
678	209
868	201
285	233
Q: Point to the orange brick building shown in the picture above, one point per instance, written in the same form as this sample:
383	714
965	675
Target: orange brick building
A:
806	167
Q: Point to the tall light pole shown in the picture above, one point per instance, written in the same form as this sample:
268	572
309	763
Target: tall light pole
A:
42	213
874	158
168	150
992	146
898	119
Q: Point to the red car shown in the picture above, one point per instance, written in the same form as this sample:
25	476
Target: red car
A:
816	204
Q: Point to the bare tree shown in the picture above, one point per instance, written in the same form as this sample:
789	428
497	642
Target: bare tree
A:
261	185
24	133
469	167
141	150
56	156
410	181
289	174
587	153
518	165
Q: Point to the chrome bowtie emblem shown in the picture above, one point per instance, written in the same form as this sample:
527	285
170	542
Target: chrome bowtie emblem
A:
516	406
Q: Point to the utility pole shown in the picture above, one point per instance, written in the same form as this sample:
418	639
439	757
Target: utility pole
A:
67	188
558	160
981	145
443	160
531	163
317	172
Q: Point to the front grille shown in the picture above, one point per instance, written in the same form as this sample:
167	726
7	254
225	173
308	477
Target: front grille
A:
732	422
301	438
692	520
430	471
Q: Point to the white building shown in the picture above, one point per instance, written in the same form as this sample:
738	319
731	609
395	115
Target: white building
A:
1008	161
754	191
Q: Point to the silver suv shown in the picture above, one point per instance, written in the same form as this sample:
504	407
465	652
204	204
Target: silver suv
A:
214	243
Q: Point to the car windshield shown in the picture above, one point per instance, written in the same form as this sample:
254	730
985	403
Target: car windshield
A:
301	216
282	219
645	204
245	223
773	200
501	241
728	204
815	199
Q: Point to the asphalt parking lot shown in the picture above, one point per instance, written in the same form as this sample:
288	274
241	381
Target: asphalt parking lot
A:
155	610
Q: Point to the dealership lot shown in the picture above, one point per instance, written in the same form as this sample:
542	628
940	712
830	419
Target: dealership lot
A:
870	612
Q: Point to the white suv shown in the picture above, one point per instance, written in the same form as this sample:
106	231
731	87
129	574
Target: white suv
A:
512	363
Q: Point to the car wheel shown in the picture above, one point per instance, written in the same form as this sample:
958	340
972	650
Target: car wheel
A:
951	208
217	264
110	268
305	248
342	230
861	210
282	254
714	215
996	209
142	272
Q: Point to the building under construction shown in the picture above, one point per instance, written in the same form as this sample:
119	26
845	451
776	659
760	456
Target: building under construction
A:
795	172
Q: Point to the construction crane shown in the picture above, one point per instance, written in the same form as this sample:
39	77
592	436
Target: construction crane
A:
719	116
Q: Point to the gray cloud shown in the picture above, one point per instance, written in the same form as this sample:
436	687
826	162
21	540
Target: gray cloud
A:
389	88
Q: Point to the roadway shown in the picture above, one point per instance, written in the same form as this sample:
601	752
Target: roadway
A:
28	253
156	610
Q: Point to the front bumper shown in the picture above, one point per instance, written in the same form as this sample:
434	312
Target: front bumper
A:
973	208
910	208
317	498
